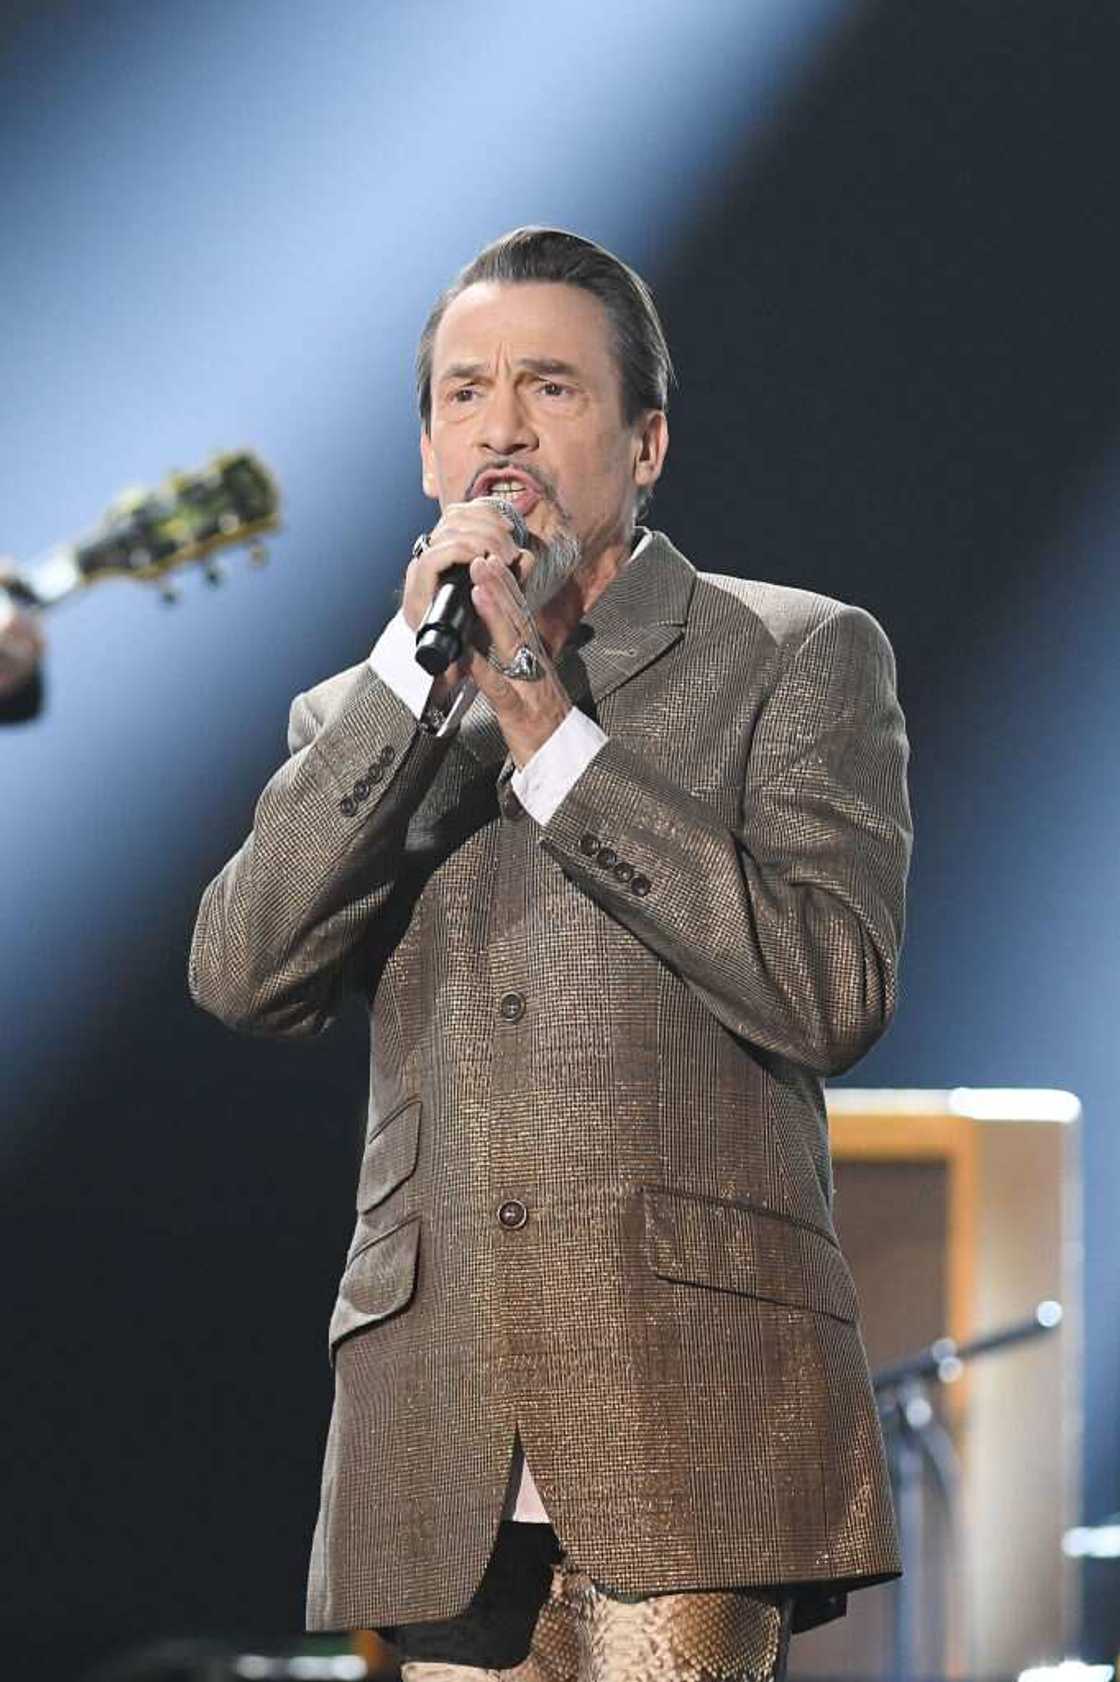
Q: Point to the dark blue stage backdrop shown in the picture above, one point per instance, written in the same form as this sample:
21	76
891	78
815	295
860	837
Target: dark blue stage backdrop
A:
884	241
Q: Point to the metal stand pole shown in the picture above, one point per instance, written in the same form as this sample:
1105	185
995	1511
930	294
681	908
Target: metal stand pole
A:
918	1446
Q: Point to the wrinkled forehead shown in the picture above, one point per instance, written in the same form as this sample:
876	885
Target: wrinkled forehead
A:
494	321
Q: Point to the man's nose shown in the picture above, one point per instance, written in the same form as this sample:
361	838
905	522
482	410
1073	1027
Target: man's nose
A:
506	428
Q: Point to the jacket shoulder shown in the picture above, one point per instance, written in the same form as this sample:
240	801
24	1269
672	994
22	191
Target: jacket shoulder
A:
328	697
784	614
788	614
322	704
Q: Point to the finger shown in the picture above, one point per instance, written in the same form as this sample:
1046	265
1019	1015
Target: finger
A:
425	571
499	625
501	606
507	584
20	649
481	522
457	540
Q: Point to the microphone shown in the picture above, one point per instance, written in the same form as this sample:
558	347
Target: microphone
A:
442	637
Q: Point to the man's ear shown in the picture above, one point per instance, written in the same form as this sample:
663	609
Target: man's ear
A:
652	443
428	466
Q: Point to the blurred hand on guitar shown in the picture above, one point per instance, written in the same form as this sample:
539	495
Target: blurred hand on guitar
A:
21	640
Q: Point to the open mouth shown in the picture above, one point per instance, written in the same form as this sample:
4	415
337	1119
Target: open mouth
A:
515	488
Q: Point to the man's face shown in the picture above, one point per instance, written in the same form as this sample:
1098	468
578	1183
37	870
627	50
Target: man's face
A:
527	403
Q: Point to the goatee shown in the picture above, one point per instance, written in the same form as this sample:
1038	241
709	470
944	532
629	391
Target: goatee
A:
554	565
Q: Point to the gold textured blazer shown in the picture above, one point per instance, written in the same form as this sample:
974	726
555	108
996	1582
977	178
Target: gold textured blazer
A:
594	1204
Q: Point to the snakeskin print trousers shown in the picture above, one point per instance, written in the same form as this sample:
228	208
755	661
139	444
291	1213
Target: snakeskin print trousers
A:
537	1618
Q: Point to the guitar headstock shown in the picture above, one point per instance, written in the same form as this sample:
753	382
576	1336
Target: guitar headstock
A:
147	534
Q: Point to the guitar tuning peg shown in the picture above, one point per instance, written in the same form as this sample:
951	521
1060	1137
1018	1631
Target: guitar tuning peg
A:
258	555
168	594
213	574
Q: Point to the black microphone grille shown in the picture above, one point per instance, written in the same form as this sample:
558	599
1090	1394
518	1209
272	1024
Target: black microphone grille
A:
509	512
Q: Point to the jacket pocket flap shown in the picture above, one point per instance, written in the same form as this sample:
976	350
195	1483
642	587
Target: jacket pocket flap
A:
390	1156
733	1247
379	1281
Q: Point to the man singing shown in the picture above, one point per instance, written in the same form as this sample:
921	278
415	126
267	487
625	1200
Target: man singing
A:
619	889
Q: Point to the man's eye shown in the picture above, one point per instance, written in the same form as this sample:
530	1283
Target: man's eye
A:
462	392
552	388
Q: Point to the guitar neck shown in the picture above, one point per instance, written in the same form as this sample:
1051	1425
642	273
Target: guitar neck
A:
45	582
146	534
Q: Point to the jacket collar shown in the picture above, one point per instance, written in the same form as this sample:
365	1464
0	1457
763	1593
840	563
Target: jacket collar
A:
640	615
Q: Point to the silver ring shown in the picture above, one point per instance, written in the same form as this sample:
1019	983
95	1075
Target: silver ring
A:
524	666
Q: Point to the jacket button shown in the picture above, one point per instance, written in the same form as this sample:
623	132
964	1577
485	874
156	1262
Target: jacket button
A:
388	753
607	857
589	844
361	789
347	806
375	774
623	871
640	885
513	1215
511	1007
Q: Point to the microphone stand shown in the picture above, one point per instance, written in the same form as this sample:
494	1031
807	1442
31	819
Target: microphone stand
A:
917	1443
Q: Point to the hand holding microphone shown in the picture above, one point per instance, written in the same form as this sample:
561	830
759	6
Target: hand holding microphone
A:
437	593
469	562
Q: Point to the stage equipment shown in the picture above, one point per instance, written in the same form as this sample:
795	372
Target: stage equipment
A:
920	1450
148	534
1096	1547
959	1211
201	1659
1094	1541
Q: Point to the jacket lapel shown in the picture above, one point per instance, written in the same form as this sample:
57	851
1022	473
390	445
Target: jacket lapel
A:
642	614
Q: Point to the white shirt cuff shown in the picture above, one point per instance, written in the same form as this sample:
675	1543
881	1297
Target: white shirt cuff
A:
393	660
544	781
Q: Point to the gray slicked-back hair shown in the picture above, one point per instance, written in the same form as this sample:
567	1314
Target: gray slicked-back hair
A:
552	254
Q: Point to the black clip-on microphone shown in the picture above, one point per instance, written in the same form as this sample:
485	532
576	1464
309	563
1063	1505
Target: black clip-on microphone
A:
443	635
